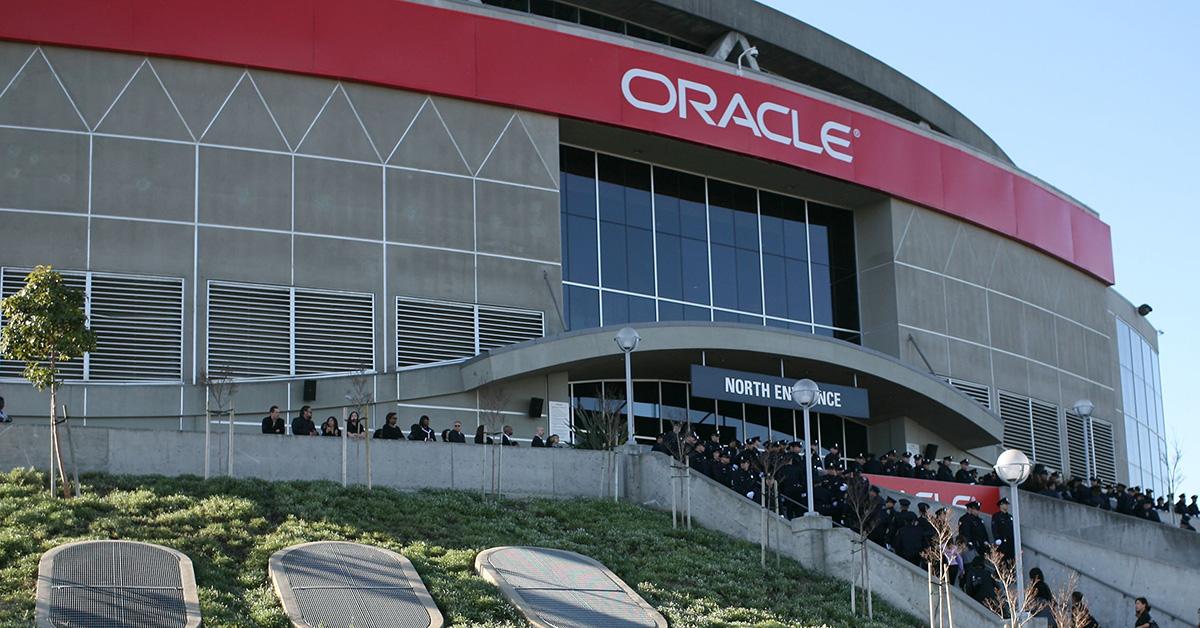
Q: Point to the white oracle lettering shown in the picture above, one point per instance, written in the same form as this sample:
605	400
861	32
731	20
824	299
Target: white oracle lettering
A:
923	494
737	105
702	109
637	73
764	108
812	148
683	97
827	138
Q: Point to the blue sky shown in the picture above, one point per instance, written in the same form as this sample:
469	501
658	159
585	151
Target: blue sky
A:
1098	98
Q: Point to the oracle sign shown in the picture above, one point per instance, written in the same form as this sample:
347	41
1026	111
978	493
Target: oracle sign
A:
951	493
767	120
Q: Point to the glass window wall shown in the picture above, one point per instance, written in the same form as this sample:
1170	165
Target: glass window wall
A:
645	243
1141	401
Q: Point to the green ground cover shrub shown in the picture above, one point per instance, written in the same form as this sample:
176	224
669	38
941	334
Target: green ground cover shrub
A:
229	528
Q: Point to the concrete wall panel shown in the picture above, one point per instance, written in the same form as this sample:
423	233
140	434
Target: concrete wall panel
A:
143	248
338	198
430	209
143	179
245	188
43	170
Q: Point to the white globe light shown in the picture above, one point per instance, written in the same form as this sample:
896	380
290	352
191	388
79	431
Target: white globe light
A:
627	339
1013	466
1084	408
804	392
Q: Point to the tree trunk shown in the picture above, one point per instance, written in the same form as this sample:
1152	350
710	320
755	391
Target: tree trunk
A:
57	446
71	454
929	587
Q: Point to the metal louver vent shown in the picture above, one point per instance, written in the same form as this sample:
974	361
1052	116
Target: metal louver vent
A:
335	331
139	328
500	326
429	331
433	331
979	393
1106	459
271	331
1076	446
1018	431
1047	443
138	322
249	330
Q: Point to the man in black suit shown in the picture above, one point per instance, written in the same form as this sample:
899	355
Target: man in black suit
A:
303	424
273	423
538	441
455	435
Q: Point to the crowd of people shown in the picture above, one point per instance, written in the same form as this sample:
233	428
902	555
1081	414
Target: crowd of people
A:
421	431
775	474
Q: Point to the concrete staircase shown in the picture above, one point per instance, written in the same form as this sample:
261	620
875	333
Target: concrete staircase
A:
1117	557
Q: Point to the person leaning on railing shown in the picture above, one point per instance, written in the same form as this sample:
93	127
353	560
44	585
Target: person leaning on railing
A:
303	424
389	430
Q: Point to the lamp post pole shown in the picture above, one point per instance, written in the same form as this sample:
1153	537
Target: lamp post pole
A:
628	339
1013	467
804	393
1083	408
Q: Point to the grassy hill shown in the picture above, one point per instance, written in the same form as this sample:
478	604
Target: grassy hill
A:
230	528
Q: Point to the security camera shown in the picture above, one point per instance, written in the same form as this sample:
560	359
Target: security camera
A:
1144	309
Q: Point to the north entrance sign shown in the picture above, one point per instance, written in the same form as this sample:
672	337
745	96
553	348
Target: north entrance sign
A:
765	390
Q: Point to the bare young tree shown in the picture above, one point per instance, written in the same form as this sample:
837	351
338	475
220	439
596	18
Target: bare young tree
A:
603	429
937	559
1063	610
865	517
1172	461
492	401
220	387
681	468
1016	612
360	395
769	464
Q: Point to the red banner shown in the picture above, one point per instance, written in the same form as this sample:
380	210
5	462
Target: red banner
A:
944	492
466	54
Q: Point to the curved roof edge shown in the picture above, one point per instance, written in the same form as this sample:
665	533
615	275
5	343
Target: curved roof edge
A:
791	35
980	427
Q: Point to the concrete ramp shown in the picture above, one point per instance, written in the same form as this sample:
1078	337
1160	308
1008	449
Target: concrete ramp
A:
560	589
334	584
116	584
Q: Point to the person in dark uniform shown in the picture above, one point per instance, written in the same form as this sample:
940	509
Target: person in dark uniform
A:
273	423
455	435
872	465
537	441
965	474
834	457
1193	508
303	425
745	480
856	465
901	519
971	527
1185	523
724	471
944	474
1002	530
699	458
904	468
910	542
420	431
883	532
506	436
1148	513
877	517
921	470
889	462
389	430
1142	607
979	581
481	437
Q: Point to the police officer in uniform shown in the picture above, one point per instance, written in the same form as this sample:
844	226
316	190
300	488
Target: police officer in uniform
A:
944	474
965	474
904	469
1002	530
971	527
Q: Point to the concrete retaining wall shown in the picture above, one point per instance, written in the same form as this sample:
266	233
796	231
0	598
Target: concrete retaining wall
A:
394	464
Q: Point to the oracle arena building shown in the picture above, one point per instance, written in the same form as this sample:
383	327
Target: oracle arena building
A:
466	200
